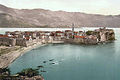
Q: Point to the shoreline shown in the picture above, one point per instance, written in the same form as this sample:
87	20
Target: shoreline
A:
7	59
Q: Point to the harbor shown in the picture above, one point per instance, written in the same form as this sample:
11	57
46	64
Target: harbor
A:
74	62
38	46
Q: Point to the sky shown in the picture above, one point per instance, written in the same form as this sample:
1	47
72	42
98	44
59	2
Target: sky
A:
106	7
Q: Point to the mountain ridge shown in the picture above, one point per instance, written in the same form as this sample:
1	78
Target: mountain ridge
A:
47	18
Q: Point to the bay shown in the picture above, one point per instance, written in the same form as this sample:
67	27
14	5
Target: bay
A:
74	62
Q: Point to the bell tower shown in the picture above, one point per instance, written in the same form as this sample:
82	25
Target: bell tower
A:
73	30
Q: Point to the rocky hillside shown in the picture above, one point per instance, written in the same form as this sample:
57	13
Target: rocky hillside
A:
45	18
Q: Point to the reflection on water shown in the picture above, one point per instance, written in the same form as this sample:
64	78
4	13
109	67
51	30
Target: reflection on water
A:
74	62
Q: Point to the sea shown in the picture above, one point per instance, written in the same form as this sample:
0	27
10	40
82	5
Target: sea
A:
70	61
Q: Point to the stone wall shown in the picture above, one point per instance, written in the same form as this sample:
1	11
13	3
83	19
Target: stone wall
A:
85	41
8	41
21	42
90	41
26	43
79	40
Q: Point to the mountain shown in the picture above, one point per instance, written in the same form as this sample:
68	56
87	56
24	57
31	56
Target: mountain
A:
10	17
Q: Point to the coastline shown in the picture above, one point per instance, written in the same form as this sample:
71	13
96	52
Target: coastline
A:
7	59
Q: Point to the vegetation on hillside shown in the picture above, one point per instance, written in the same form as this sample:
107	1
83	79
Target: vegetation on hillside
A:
29	72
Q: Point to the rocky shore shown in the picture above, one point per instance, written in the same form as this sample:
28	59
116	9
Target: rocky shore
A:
6	59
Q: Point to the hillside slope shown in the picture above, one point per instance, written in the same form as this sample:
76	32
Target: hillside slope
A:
10	17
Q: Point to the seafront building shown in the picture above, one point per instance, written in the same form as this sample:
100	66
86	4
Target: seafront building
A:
27	38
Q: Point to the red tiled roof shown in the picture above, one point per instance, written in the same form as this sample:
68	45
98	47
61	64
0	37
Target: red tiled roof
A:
79	36
59	32
67	30
75	32
27	33
27	38
52	34
1	36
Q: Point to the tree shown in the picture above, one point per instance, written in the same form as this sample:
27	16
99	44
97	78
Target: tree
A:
5	71
89	32
29	72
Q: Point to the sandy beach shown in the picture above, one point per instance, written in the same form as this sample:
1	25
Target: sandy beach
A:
8	58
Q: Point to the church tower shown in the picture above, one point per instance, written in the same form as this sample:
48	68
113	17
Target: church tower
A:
73	30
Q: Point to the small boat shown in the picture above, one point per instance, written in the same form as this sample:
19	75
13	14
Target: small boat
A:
40	66
36	69
43	71
44	61
51	59
52	63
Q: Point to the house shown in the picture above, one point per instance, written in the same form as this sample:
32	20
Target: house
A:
30	33
44	36
57	38
47	33
59	33
15	33
76	33
102	37
21	42
27	41
28	38
85	39
68	34
81	33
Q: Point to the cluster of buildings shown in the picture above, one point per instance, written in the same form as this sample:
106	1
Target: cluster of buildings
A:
27	38
100	35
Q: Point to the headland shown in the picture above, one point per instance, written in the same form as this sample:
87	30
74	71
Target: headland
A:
20	42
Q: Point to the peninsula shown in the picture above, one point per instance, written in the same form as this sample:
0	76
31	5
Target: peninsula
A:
14	44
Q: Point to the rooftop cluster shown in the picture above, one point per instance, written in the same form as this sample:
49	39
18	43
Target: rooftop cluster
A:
27	38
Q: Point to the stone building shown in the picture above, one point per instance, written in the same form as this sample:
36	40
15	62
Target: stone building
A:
85	39
21	42
30	33
68	34
25	42
104	34
79	39
92	40
7	41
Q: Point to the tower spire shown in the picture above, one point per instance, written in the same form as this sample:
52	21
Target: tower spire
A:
72	30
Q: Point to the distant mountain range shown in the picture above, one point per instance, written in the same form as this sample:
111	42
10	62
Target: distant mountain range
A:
10	17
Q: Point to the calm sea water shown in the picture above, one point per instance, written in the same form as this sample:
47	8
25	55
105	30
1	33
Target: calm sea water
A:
74	62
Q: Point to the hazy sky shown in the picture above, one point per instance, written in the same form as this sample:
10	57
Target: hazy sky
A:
109	7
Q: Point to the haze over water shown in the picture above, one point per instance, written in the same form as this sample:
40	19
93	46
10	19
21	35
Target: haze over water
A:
74	62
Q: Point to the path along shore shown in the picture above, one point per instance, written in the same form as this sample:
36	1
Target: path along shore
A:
8	58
